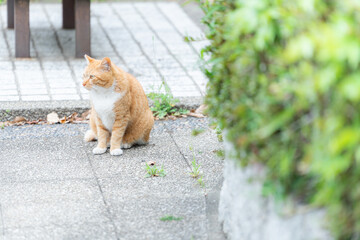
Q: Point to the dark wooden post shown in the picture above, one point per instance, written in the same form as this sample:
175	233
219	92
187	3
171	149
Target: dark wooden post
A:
10	13
68	8
82	25
22	28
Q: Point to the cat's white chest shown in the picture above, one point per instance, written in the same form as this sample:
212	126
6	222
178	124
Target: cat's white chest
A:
103	101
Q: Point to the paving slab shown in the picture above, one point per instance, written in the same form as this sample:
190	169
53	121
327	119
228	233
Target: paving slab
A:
46	159
30	204
52	187
76	231
144	38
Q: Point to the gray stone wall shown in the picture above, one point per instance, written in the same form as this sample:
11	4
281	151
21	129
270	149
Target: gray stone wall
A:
247	215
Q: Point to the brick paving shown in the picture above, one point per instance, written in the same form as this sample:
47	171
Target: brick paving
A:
144	38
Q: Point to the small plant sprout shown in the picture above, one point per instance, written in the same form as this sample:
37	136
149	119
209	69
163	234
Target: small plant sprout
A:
170	218
218	132
189	39
196	132
195	173
220	153
200	181
153	171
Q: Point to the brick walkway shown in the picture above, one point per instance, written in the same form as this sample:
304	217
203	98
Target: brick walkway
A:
146	39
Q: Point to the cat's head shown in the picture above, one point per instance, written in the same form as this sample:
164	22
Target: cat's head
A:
98	73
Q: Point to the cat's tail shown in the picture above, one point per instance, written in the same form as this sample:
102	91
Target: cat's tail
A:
90	136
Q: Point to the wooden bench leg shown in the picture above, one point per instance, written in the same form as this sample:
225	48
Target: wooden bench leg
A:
10	13
68	8
82	25
22	28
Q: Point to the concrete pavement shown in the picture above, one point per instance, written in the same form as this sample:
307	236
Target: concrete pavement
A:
52	187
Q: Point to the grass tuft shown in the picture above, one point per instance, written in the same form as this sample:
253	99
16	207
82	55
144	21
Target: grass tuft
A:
154	171
164	103
170	218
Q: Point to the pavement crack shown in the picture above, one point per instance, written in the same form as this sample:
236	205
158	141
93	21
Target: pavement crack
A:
106	204
177	146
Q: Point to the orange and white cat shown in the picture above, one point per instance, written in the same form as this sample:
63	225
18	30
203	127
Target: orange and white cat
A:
120	114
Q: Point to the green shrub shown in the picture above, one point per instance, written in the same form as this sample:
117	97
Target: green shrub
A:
284	80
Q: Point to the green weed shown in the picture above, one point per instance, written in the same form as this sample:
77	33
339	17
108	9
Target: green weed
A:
181	111
201	181
219	135
170	218
195	173
164	103
220	153
196	132
189	39
154	171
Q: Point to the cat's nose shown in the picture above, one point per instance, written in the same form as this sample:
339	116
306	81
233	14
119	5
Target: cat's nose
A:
83	84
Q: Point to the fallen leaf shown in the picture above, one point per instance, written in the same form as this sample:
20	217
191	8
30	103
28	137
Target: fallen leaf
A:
197	115
63	120
72	117
202	109
52	118
33	122
19	119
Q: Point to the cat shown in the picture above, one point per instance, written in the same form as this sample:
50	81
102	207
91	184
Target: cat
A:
120	113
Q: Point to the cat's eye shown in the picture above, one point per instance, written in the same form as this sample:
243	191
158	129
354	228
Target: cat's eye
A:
92	76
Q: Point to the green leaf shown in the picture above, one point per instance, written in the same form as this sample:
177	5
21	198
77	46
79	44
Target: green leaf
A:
350	87
277	122
345	139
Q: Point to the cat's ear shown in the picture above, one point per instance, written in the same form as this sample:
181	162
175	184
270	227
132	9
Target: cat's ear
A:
88	59
106	64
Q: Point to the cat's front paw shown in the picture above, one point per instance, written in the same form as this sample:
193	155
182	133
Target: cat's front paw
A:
98	150
116	152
